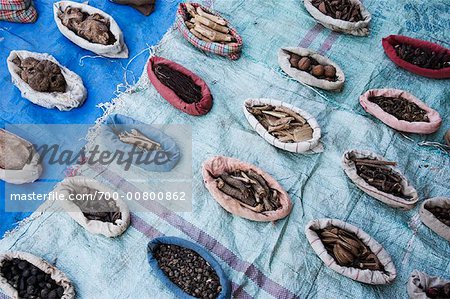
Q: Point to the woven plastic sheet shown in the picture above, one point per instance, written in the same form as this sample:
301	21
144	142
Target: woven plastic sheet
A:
273	260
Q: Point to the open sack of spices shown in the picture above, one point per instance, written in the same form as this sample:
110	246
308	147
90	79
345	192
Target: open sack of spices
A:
418	56
187	269
43	81
379	178
179	86
348	16
435	213
424	286
311	68
283	125
401	110
26	276
245	190
93	206
350	251
208	31
90	28
18	11
145	7
155	151
19	161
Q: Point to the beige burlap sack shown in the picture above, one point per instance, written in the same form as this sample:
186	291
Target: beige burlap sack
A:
366	276
431	221
59	277
419	282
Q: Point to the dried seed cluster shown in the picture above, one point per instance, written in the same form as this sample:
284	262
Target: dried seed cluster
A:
250	189
41	75
94	28
348	250
30	281
441	213
134	137
401	108
441	292
282	123
188	270
312	66
207	27
339	9
183	86
423	57
95	207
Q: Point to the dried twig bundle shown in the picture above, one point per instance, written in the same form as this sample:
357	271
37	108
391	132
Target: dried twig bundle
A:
401	108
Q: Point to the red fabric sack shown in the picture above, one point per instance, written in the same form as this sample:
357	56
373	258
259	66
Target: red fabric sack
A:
392	40
199	108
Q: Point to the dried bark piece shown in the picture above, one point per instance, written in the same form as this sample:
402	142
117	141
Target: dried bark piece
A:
401	108
215	36
139	140
435	213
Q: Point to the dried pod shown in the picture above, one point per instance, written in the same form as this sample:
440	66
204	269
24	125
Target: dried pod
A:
401	194
422	285
375	270
318	70
87	189
304	64
329	71
435	213
432	117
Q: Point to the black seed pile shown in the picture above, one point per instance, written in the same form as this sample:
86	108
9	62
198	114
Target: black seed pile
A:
188	270
98	208
183	86
401	108
423	57
30	281
441	213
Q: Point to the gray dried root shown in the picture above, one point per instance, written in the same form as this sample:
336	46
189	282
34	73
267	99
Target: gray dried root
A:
14	153
134	137
94	206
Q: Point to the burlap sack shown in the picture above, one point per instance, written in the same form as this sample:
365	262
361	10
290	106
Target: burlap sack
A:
70	185
419	282
309	146
117	50
305	77
218	165
400	125
360	28
59	277
20	157
366	276
73	97
389	199
431	221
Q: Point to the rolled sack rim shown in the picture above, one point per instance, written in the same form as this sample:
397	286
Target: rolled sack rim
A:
431	221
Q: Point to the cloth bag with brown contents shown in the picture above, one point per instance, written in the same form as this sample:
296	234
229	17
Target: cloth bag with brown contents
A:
419	282
430	220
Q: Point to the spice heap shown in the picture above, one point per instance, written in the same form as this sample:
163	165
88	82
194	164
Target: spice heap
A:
139	140
183	86
94	28
41	75
423	57
281	122
188	270
30	281
440	292
250	189
310	65
94	206
207	27
401	108
339	9
348	250
441	213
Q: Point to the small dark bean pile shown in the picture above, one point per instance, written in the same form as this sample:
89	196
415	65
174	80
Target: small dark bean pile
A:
188	270
98	208
439	292
401	108
441	213
310	65
339	9
182	85
30	281
423	57
41	75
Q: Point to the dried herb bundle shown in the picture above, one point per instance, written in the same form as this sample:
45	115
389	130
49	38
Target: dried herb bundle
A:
134	137
94	28
441	213
401	108
423	57
312	66
188	270
348	250
339	9
440	292
41	75
183	86
95	207
282	123
250	189
30	281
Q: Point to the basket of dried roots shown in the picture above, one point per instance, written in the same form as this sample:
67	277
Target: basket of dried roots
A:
423	286
245	190
435	213
350	251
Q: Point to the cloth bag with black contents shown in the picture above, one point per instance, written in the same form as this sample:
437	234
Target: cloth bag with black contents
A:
419	282
430	220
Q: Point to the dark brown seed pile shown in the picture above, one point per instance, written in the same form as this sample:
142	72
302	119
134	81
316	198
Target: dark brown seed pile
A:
41	75
339	9
95	207
310	65
183	86
441	213
30	281
440	292
401	108
188	270
423	57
